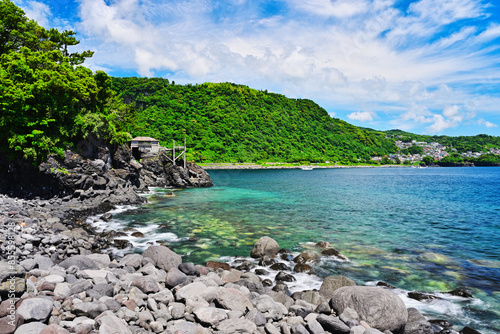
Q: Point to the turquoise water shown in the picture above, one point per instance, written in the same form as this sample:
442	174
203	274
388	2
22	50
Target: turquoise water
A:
431	229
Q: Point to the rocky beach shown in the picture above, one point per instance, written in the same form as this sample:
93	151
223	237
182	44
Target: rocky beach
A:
58	278
58	274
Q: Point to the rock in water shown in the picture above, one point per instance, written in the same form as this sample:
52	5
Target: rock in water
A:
163	257
332	283
265	246
380	308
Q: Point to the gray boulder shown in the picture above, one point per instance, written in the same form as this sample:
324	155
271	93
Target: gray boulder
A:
417	324
332	283
380	308
81	261
146	284
35	309
237	326
163	257
175	277
332	324
31	328
265	246
232	299
210	316
111	324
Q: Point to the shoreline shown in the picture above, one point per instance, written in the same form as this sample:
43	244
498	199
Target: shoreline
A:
64	264
214	166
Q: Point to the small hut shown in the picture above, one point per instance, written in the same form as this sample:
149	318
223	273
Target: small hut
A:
145	144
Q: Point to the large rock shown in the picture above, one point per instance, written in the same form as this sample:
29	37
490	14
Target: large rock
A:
210	316
332	324
81	261
31	328
237	326
265	246
35	309
234	300
111	325
380	308
146	284
163	257
332	283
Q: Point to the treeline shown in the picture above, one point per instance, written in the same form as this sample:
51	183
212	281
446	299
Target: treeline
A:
226	122
479	143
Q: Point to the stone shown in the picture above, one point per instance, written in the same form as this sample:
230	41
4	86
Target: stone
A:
62	290
468	330
175	277
54	329
111	325
270	329
35	309
265	246
210	316
163	257
332	283
420	296
189	269
232	299
185	327
284	277
8	325
237	326
81	261
30	328
416	323
334	252
460	292
315	327
303	268
146	284
332	324
298	329
379	307
269	308
307	257
218	265
358	330
256	317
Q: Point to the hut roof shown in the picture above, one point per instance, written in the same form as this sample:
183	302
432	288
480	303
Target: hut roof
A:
144	139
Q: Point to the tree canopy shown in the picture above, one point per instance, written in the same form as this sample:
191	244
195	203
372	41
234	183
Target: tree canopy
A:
48	101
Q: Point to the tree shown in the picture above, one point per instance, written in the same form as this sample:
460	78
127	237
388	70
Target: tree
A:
416	149
428	160
47	102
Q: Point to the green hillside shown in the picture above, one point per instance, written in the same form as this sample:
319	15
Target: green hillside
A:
233	123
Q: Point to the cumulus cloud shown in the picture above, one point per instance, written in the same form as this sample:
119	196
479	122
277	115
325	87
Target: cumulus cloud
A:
482	122
421	65
37	11
362	116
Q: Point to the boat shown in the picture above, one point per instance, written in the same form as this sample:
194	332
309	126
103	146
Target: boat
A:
306	168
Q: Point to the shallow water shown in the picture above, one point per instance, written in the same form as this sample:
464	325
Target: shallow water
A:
431	229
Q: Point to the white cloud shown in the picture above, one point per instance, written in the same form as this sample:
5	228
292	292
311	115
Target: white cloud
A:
380	56
335	8
482	122
362	116
37	11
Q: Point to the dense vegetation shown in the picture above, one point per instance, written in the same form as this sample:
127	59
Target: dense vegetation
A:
48	101
479	143
234	123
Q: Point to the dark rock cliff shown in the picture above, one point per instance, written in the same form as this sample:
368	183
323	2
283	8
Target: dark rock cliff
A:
97	175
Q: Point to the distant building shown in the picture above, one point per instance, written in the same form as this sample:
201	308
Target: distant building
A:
145	144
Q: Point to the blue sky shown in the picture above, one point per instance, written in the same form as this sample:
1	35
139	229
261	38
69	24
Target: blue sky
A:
426	66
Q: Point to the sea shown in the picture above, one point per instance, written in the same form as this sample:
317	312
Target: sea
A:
429	230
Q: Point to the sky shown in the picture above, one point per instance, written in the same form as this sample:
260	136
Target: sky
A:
424	66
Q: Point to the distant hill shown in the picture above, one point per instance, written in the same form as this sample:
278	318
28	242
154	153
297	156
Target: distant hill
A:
462	144
225	122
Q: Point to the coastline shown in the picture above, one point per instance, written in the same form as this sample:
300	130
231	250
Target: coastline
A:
63	269
213	166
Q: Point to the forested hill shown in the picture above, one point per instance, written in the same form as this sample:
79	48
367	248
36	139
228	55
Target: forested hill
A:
226	122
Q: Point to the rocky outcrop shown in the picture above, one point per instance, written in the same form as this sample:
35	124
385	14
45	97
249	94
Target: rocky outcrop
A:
93	176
